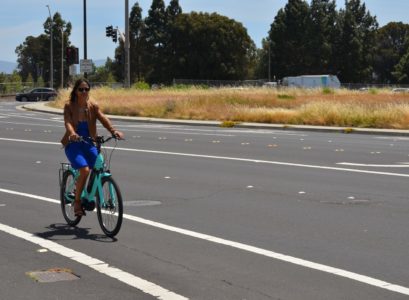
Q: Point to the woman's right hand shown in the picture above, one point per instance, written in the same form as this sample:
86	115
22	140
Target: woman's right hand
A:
74	137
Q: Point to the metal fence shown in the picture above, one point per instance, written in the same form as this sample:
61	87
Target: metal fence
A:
263	82
219	83
363	86
10	89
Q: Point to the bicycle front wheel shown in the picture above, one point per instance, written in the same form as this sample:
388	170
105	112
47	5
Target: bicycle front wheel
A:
67	197
109	207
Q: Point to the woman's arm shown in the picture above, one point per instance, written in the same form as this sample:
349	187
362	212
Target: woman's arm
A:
68	122
107	123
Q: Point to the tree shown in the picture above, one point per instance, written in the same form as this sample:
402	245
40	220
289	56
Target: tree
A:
321	32
391	45
16	83
356	44
172	12
211	46
103	73
3	79
61	32
155	38
288	40
159	52
117	68
32	56
262	61
34	53
401	72
30	81
40	81
136	28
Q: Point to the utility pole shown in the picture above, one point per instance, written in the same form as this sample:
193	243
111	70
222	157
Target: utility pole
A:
85	33
127	48
51	49
269	61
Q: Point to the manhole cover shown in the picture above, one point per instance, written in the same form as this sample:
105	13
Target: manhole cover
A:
53	275
142	203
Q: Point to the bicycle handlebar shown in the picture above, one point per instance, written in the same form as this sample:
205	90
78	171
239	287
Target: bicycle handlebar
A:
100	139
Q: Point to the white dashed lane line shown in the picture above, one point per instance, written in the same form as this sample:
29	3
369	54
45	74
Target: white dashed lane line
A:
229	158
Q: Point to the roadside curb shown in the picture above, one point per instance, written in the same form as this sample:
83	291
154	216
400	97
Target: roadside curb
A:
42	107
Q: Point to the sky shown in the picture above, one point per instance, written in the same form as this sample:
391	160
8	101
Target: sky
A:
22	18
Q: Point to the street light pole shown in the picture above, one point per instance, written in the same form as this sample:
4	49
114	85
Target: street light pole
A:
51	49
62	57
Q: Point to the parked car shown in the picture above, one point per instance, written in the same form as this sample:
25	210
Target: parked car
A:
37	94
270	84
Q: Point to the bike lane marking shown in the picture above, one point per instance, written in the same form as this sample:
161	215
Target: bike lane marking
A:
260	251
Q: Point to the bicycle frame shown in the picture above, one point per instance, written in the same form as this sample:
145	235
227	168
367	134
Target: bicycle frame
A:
96	175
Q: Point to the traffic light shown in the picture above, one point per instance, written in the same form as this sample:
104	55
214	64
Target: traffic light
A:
115	36
71	55
68	55
76	56
109	31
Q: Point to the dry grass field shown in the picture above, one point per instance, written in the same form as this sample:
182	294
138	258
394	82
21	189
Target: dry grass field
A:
374	108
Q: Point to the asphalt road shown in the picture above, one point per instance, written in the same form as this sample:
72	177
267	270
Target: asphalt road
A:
211	213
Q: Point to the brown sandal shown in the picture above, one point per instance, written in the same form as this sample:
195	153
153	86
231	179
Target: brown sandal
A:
78	210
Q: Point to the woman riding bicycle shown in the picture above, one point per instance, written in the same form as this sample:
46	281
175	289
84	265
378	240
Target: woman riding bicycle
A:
80	119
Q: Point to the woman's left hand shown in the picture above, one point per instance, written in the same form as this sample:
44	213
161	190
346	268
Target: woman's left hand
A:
118	134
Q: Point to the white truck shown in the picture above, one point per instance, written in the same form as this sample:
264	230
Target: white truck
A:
312	81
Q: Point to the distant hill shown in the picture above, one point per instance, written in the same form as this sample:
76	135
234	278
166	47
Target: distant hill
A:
99	62
7	67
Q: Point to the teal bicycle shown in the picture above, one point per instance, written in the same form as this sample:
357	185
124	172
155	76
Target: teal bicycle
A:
101	191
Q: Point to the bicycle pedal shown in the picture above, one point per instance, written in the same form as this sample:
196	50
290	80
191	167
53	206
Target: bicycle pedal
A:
88	205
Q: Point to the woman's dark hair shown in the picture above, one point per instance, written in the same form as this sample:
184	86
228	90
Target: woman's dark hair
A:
73	95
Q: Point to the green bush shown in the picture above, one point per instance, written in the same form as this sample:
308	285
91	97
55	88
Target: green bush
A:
228	124
285	96
327	91
141	85
373	91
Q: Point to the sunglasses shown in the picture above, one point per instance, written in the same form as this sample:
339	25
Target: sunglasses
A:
83	90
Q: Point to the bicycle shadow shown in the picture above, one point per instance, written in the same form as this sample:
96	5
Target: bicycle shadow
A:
57	232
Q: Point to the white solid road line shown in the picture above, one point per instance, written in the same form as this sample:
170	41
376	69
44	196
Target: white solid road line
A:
251	160
279	256
96	264
374	165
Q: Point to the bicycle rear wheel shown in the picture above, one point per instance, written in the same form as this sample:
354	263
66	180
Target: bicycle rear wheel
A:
109	207
67	197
